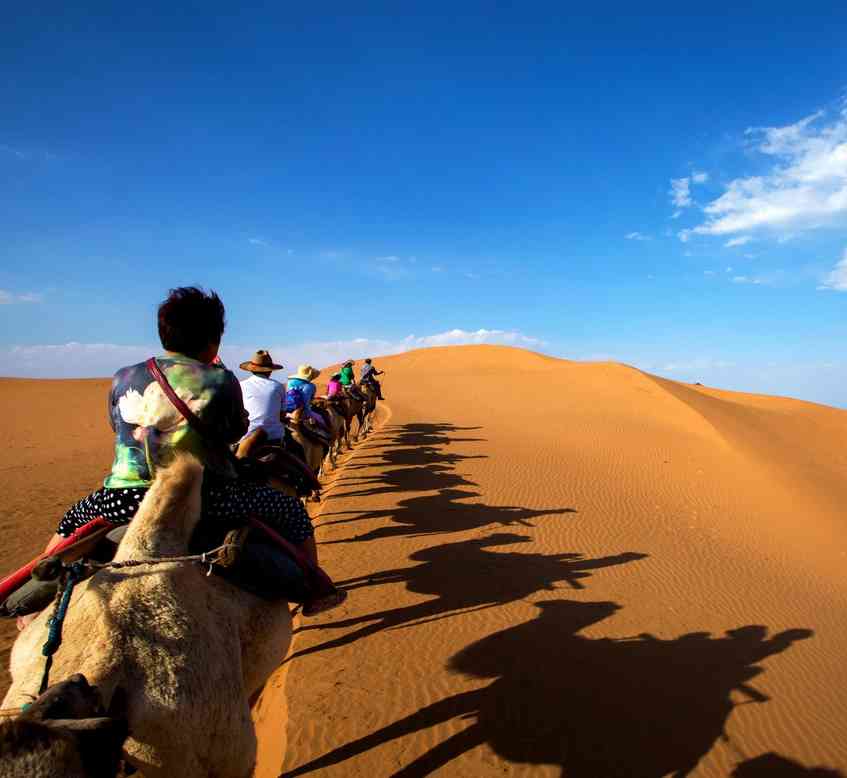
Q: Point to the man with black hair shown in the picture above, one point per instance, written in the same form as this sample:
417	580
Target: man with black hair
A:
149	429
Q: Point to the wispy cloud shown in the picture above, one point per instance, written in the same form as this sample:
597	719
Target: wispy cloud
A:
743	240
26	154
747	280
700	363
680	193
258	242
804	188
102	359
10	298
836	280
636	236
391	268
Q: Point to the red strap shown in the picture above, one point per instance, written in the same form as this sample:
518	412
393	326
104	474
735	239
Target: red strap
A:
304	563
14	581
197	424
193	420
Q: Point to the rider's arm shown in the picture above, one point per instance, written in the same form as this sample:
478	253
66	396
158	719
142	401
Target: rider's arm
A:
237	420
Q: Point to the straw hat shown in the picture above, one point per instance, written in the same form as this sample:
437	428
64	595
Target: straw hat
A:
306	373
261	363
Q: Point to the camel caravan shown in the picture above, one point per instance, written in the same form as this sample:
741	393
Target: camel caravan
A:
161	606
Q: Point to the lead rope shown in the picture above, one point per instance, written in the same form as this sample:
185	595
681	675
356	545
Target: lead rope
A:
74	575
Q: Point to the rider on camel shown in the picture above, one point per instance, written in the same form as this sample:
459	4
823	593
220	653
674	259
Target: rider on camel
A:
149	430
368	376
348	380
263	396
301	392
334	387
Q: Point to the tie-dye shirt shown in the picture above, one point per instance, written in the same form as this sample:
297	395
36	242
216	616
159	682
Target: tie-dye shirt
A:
148	427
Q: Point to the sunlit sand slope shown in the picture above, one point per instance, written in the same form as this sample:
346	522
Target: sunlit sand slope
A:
554	568
579	569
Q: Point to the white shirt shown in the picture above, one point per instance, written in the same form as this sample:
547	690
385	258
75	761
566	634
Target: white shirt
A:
263	398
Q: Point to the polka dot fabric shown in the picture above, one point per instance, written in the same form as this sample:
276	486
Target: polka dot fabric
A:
226	501
116	505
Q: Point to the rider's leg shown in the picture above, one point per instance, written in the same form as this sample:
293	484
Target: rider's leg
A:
286	515
251	442
116	505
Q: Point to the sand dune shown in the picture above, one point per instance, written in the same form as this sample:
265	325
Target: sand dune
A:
555	568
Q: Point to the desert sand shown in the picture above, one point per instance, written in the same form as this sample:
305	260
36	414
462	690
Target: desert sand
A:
555	568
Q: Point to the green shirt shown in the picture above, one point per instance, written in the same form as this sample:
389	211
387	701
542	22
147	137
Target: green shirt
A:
347	377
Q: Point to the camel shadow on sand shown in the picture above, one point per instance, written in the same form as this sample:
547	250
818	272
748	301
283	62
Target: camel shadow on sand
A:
458	578
423	463
773	765
640	707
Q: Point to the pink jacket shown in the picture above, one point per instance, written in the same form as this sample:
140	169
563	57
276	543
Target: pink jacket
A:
333	388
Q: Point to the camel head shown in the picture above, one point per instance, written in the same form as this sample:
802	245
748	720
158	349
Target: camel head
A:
65	733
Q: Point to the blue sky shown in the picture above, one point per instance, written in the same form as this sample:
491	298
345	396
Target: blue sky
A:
648	184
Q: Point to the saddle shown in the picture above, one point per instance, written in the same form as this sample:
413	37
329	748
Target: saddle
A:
319	406
355	393
310	431
275	462
258	561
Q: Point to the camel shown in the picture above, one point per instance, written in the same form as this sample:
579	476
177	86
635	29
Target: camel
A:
187	652
316	452
336	422
349	407
368	407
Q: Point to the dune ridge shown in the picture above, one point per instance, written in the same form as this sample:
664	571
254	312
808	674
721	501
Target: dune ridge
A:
554	568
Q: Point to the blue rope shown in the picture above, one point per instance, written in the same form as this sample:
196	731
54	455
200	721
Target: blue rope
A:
54	626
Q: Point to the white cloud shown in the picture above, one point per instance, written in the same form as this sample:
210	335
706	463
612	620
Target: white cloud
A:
837	278
9	298
708	272
636	236
805	187
740	241
258	242
743	280
437	269
680	192
102	359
